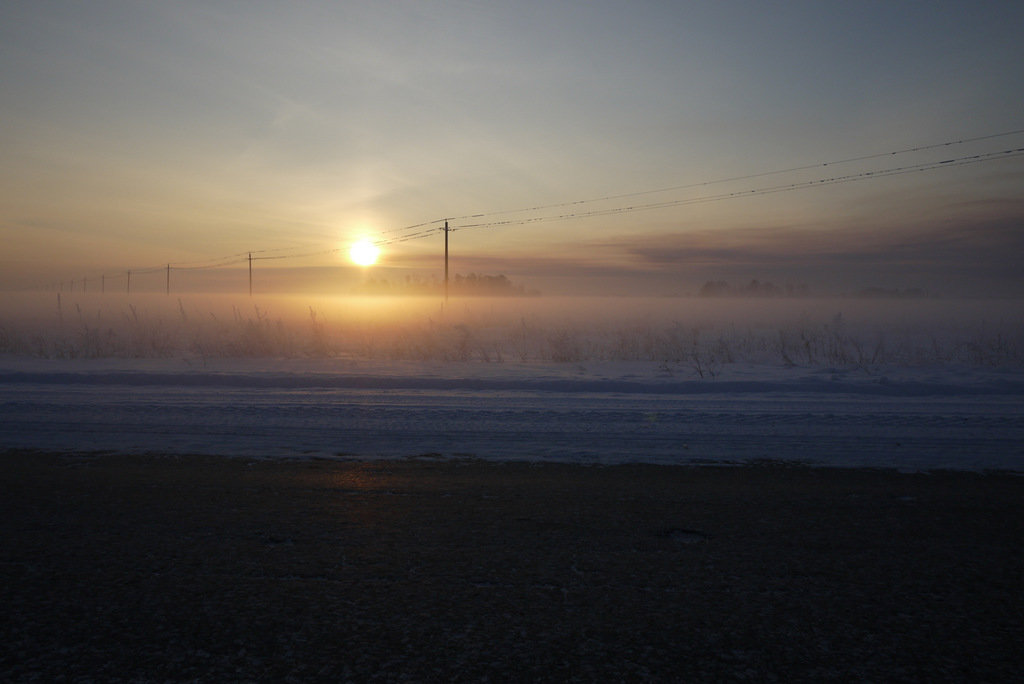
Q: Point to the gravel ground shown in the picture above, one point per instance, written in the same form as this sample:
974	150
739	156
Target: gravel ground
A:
154	568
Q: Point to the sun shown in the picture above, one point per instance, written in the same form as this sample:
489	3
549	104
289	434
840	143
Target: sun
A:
364	253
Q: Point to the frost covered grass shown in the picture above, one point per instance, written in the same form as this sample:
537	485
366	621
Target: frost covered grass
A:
698	335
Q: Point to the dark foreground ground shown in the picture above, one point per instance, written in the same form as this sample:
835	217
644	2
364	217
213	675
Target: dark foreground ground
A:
171	569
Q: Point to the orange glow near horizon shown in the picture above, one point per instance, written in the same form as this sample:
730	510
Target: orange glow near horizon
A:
316	134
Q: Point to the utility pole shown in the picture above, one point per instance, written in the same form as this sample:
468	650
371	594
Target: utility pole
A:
446	230
128	287
250	274
168	279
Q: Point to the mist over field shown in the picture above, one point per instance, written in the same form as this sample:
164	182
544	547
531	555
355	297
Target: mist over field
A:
702	336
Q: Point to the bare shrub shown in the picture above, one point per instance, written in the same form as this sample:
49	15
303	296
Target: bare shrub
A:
704	341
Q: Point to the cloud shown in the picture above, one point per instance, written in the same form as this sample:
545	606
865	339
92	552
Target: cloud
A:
985	249
957	255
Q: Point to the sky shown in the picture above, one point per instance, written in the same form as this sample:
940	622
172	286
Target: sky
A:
139	134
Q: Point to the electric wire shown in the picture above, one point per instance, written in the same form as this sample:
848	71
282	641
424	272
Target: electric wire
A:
420	230
948	163
750	176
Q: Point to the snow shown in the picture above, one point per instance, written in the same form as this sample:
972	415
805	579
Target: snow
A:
914	385
599	412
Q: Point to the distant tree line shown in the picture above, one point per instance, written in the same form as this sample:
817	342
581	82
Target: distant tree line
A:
473	284
755	288
891	293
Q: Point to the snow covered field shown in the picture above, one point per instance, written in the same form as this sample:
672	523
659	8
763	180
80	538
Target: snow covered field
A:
904	384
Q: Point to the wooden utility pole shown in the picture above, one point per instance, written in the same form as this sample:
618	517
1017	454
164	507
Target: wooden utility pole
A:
446	230
128	287
250	274
168	279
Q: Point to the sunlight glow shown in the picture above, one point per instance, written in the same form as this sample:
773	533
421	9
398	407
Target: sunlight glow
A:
364	253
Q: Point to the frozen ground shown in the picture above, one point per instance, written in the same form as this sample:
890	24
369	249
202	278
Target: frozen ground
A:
904	384
592	412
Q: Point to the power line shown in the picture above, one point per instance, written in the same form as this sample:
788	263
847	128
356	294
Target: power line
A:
426	229
896	171
418	225
298	256
213	263
750	176
404	237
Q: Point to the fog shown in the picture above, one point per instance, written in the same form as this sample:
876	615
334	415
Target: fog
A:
701	335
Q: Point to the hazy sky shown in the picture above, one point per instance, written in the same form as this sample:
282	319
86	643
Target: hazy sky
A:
140	133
